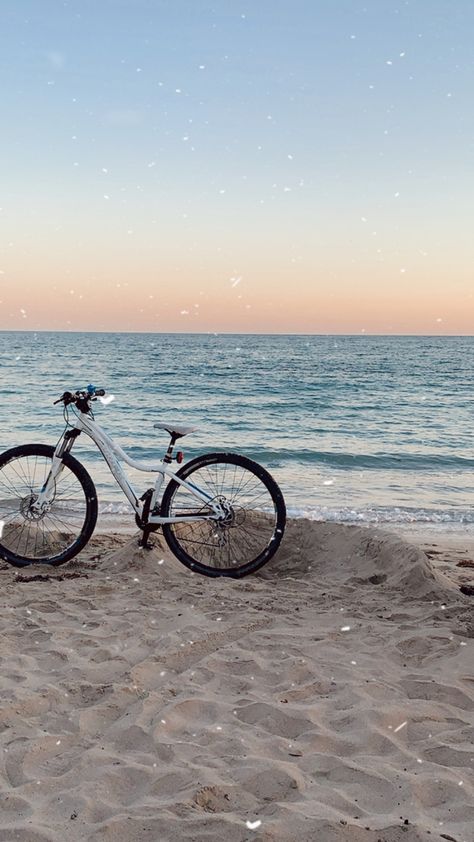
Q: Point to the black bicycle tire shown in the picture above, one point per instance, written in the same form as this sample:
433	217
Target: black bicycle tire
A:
90	495
272	487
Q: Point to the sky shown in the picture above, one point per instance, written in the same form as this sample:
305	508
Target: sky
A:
254	166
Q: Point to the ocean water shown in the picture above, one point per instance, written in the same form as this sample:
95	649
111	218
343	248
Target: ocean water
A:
362	429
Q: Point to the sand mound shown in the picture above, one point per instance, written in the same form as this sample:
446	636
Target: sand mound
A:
341	555
332	554
329	697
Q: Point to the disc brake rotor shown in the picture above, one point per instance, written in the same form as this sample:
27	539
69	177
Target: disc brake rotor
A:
26	508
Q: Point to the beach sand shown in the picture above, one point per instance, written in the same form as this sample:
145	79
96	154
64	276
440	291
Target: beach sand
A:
329	697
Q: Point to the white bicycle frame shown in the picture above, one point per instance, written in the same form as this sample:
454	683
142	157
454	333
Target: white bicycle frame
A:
113	455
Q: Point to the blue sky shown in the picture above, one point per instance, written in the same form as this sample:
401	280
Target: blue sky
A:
308	146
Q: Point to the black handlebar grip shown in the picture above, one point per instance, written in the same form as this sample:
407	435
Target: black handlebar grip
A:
65	398
100	393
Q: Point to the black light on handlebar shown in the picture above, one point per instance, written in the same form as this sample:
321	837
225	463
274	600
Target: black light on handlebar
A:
93	391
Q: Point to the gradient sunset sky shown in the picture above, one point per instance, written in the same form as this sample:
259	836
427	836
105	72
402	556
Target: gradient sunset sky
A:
277	166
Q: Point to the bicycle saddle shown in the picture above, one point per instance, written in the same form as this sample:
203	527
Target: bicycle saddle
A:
175	430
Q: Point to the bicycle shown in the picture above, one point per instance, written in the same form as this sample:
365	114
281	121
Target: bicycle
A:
221	513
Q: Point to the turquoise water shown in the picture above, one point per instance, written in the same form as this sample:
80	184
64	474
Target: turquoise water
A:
354	428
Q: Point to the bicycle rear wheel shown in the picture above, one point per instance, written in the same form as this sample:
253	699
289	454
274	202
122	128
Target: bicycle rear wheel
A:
63	528
252	530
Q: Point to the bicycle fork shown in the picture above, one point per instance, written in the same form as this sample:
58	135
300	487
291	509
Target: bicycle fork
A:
45	497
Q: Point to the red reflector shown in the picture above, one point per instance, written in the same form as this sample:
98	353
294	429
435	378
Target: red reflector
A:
179	456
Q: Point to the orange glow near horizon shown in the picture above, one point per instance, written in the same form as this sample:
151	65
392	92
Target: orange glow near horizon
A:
278	301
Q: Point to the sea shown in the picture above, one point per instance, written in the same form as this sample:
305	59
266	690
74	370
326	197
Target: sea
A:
374	430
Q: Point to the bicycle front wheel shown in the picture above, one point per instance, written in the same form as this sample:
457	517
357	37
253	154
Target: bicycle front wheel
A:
249	534
64	525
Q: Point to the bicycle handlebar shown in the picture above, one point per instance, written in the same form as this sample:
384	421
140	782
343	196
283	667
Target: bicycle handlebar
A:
88	394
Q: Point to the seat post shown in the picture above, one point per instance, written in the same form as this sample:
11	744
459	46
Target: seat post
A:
168	457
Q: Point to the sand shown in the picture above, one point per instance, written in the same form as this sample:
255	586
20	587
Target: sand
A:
329	697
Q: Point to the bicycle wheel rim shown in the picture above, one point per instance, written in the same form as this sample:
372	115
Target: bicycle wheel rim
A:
47	538
255	527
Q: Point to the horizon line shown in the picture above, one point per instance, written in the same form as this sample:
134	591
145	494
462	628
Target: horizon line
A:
237	333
